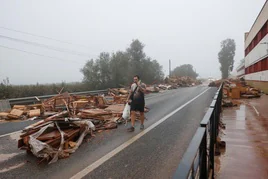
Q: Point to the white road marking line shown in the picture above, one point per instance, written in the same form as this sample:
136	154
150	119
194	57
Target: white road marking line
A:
257	112
10	133
109	155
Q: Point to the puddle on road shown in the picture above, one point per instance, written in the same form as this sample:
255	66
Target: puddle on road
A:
4	157
246	134
12	167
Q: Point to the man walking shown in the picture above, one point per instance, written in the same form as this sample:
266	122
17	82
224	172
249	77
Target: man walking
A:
137	102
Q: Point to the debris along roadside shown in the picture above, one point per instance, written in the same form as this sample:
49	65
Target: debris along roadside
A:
175	82
66	120
65	101
55	138
72	102
237	89
238	111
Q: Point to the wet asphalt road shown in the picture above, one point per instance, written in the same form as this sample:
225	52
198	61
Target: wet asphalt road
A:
154	155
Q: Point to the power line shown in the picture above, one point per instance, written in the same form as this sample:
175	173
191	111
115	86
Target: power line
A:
39	54
45	46
42	36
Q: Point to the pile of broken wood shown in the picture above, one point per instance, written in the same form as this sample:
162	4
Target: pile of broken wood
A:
175	82
236	89
23	112
55	137
72	103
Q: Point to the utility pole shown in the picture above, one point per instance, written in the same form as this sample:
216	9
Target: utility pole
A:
169	68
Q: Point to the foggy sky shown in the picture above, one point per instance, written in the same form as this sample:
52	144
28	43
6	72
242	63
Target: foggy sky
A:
185	31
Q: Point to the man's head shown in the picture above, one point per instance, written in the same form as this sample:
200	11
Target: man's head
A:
136	78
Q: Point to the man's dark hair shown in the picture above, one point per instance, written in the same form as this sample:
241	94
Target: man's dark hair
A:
137	76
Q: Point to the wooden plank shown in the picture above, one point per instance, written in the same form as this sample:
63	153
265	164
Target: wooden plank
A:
48	136
123	91
21	107
11	116
80	104
37	125
52	135
57	115
116	108
35	112
3	114
56	142
15	113
95	112
235	93
29	133
72	144
26	140
66	142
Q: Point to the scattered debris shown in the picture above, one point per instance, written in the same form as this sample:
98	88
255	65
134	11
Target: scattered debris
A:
176	82
15	114
54	138
66	120
235	89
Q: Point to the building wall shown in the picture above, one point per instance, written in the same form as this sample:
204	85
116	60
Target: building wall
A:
258	76
259	84
240	70
258	24
256	52
259	52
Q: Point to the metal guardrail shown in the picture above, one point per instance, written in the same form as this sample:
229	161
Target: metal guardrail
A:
198	160
195	154
32	99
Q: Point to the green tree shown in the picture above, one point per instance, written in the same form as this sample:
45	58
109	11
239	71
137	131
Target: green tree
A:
104	70
119	68
151	71
184	70
226	57
97	74
91	76
5	89
136	55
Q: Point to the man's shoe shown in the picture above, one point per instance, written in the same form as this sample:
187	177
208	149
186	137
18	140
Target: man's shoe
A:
142	127
131	129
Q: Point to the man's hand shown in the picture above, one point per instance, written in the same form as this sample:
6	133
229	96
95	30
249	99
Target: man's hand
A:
142	88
